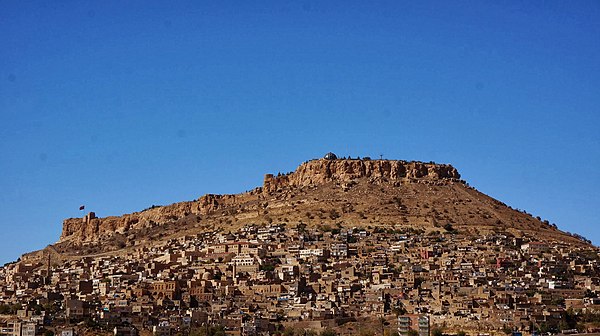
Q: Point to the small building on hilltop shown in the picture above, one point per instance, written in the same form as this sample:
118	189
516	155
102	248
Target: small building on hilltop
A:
330	156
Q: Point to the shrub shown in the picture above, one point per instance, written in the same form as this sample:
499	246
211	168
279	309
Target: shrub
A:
328	332
448	227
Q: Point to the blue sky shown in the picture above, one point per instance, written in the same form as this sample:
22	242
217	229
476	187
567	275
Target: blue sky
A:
121	105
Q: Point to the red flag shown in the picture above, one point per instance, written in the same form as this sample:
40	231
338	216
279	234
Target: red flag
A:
82	207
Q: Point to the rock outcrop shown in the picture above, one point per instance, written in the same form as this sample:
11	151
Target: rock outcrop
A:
323	171
311	173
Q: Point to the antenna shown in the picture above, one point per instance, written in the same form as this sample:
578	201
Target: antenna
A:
380	156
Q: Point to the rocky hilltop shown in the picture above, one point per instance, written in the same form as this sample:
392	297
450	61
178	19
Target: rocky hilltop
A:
323	171
325	191
311	173
360	242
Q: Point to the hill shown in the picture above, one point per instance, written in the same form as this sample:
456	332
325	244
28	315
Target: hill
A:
339	245
327	192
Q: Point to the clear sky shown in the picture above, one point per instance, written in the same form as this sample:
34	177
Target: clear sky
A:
119	105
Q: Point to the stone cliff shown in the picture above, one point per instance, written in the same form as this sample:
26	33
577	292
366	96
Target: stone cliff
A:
322	171
90	228
311	173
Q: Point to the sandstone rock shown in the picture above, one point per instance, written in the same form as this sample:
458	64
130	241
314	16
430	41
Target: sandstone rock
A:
311	173
323	171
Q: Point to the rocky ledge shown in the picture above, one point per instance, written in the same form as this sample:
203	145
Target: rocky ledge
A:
322	171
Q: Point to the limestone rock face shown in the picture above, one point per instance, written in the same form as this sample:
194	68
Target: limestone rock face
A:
90	228
311	173
211	202
323	171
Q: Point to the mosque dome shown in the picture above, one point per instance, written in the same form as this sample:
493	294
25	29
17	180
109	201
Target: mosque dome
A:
330	156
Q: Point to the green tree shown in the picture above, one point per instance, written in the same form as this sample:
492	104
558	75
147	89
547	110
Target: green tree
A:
4	309
418	282
267	267
571	318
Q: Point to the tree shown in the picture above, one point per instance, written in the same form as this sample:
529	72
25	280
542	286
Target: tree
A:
413	333
544	327
382	322
289	332
4	309
436	332
562	325
571	319
267	267
461	333
399	309
448	227
328	332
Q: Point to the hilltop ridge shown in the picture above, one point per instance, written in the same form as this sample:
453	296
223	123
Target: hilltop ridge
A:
310	173
322	171
334	233
327	191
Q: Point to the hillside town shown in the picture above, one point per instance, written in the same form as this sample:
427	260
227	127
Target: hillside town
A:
274	279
